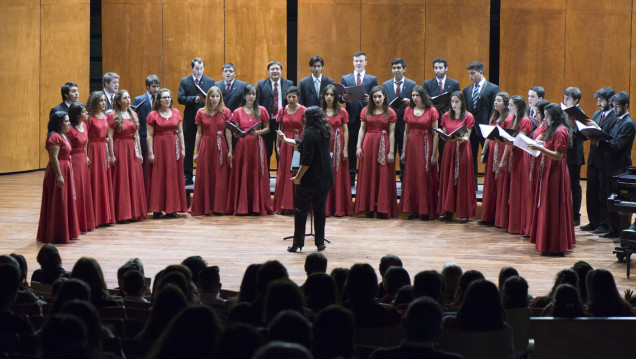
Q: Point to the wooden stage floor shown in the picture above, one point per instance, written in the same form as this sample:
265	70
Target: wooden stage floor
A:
233	243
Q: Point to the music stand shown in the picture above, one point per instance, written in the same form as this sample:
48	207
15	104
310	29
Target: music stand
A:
311	229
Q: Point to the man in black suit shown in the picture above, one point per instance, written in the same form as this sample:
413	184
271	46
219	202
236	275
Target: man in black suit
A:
437	86
70	94
617	152
480	99
193	101
231	88
271	95
576	157
312	85
402	87
422	324
111	86
143	104
597	190
356	78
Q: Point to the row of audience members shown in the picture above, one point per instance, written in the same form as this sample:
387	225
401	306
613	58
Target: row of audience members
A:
272	317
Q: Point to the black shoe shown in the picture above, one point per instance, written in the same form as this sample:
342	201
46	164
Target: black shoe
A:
608	235
588	227
189	182
577	222
601	229
294	248
413	215
321	247
616	240
171	215
424	217
369	214
156	215
485	223
379	215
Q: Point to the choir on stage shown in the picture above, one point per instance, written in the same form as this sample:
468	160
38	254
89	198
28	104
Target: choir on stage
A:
99	172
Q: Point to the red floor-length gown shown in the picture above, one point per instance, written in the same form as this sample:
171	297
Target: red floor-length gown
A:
249	178
58	219
376	189
532	165
503	182
457	178
81	178
492	177
292	127
165	183
339	199
420	183
127	175
519	187
100	177
213	170
552	226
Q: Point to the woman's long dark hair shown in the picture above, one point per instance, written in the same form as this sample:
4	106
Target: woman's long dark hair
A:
157	104
461	98
603	299
119	119
74	112
92	104
323	103
55	123
426	100
315	119
566	302
520	103
498	118
559	118
371	105
481	309
247	90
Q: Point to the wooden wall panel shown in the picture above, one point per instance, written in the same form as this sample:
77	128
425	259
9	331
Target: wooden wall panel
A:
19	68
393	29
335	40
64	56
132	42
191	28
255	34
532	52
458	30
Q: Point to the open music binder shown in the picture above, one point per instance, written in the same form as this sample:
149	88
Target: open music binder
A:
459	132
237	130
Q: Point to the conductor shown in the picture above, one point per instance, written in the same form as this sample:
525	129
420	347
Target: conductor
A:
314	177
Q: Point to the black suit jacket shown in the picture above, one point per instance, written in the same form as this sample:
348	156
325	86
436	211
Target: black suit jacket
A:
412	351
432	89
485	104
407	89
188	95
308	95
232	99
618	151
61	107
265	93
354	108
142	113
109	105
576	156
595	157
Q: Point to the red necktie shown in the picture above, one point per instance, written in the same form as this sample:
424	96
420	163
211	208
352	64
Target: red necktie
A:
275	107
398	91
196	81
441	87
112	99
358	81
227	87
602	117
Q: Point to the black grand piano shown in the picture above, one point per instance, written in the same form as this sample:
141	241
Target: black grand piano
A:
623	201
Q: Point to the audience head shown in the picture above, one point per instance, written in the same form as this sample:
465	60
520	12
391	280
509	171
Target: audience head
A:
292	327
505	273
514	293
111	82
239	341
394	279
22	265
362	283
582	268
423	320
77	113
49	257
603	299
481	309
404	296
63	336
282	294
339	276
464	281
165	306
333	333
320	291
451	273
389	260
429	283
282	350
134	283
209	280
87	314
88	270
565	275
96	103
267	273
9	283
196	264
177	279
315	263
566	302
70	92
247	291
69	290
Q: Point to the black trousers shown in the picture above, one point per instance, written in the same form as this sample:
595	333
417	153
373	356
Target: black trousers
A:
189	137
399	146
475	141
354	129
270	139
598	189
306	199
577	193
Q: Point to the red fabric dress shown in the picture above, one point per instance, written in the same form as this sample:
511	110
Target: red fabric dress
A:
339	199
101	182
81	178
376	189
503	182
532	164
519	187
58	219
292	126
165	183
420	183
249	178
552	226
457	178
213	171
492	178
127	176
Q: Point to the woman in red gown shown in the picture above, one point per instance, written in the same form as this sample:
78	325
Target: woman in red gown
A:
97	148
58	220
165	183
532	164
491	155
248	192
290	119
457	178
339	199
517	185
125	159
78	136
213	156
376	191
552	226
420	184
